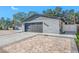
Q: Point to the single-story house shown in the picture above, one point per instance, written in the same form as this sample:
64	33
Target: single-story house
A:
43	24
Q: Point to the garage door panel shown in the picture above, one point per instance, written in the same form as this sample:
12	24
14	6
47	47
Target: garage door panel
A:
34	27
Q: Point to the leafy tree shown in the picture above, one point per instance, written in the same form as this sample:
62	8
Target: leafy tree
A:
31	13
57	11
8	23
18	18
77	17
71	16
2	23
49	12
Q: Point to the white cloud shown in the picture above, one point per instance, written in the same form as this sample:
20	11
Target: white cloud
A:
14	8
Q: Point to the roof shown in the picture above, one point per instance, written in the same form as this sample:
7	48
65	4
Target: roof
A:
39	15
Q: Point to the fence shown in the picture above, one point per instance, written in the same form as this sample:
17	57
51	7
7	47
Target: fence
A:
70	27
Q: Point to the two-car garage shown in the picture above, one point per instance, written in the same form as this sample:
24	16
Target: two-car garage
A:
42	24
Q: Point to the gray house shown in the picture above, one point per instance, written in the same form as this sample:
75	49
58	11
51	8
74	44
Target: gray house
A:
43	24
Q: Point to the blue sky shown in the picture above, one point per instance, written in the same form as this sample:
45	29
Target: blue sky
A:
8	11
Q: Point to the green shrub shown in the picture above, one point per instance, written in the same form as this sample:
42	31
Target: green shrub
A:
77	35
77	39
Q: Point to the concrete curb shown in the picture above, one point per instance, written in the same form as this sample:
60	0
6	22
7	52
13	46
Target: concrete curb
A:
73	46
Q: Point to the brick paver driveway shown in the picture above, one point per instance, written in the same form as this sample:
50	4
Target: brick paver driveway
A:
37	40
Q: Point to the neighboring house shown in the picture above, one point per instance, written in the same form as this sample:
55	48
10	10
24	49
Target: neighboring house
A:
44	24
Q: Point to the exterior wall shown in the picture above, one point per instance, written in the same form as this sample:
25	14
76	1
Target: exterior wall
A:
70	27
51	26
40	19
